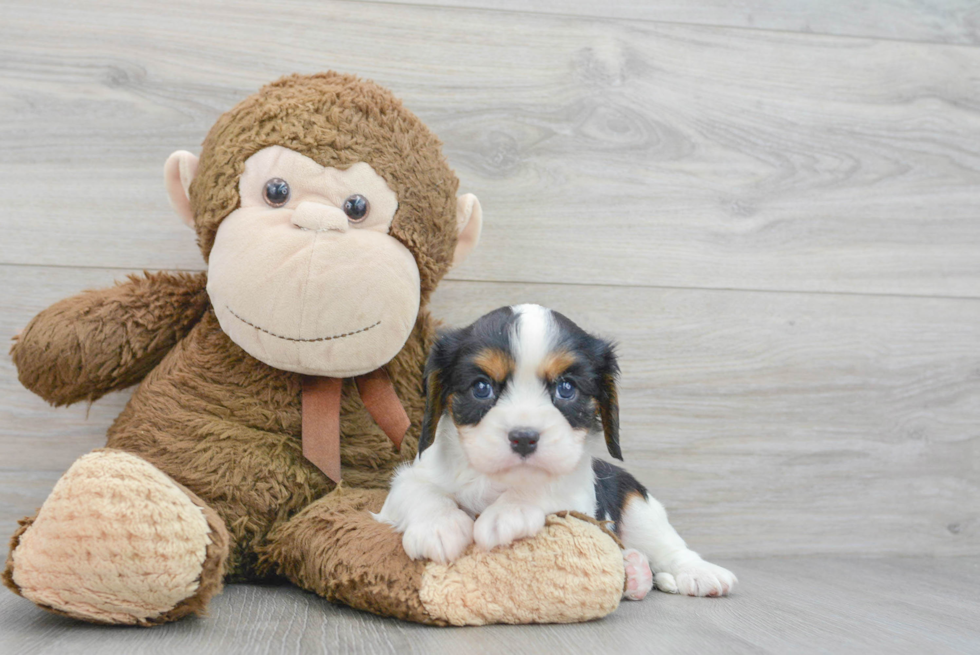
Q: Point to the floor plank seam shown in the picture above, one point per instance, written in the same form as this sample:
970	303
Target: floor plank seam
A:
654	21
450	278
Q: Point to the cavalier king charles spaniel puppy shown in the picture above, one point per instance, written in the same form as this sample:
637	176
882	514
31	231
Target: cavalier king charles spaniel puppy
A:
511	401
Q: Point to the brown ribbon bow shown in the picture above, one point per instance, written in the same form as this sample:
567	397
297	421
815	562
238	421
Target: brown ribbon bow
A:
321	416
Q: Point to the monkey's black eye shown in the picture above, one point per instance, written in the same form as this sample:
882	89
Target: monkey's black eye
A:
565	390
356	207
482	389
276	192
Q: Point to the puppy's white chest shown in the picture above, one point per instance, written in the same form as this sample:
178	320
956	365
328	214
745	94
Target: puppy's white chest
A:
476	492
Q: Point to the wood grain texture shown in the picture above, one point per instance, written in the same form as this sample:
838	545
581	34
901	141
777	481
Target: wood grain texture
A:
938	21
654	154
826	423
810	605
717	199
767	423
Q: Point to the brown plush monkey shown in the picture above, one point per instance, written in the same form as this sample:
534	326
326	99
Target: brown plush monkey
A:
327	215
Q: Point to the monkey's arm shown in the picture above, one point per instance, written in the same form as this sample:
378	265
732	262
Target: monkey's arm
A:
83	347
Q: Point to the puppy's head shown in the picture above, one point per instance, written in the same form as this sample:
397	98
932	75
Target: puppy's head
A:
524	387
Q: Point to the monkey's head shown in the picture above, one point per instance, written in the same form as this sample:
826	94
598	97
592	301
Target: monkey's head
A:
327	215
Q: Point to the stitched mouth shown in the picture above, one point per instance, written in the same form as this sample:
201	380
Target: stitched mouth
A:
284	338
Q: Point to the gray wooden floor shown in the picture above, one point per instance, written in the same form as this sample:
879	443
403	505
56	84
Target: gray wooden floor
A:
785	605
774	207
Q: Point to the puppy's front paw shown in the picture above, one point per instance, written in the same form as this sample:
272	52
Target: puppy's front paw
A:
696	578
441	539
500	525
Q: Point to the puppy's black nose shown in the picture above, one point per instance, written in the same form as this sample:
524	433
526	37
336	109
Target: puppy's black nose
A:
523	441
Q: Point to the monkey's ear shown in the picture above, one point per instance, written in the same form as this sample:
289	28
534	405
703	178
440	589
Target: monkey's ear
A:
469	222
177	175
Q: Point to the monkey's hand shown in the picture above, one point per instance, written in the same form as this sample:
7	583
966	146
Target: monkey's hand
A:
83	347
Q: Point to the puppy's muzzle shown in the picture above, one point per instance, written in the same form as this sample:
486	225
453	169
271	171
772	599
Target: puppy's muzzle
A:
523	441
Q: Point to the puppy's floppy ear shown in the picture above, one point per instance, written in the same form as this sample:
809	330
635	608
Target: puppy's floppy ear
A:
434	386
434	407
608	397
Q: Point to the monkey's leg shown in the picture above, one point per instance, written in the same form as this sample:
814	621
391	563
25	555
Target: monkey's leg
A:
571	571
119	542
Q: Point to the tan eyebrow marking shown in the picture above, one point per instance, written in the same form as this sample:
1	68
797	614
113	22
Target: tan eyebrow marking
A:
554	364
495	363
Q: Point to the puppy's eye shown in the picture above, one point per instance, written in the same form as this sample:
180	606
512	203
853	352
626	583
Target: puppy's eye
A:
276	192
356	207
482	389
565	390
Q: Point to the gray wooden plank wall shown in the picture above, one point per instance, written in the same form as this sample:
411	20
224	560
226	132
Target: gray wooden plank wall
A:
781	228
939	21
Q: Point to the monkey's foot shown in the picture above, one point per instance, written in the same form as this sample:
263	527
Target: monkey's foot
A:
118	541
570	571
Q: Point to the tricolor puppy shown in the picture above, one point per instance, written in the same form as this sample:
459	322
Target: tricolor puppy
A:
511	401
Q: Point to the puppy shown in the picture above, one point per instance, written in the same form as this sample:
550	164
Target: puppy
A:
510	402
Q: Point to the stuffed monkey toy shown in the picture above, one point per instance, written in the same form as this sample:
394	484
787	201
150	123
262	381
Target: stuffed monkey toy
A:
279	390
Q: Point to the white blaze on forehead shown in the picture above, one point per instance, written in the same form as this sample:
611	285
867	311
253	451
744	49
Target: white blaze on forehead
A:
532	338
525	403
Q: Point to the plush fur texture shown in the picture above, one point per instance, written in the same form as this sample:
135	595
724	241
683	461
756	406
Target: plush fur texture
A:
573	572
225	428
570	572
83	347
119	542
337	120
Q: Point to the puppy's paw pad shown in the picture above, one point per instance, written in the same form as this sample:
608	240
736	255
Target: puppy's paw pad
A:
501	525
639	578
704	579
441	539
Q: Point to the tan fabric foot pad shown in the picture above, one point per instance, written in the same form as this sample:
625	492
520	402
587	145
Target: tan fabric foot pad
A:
118	541
571	571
